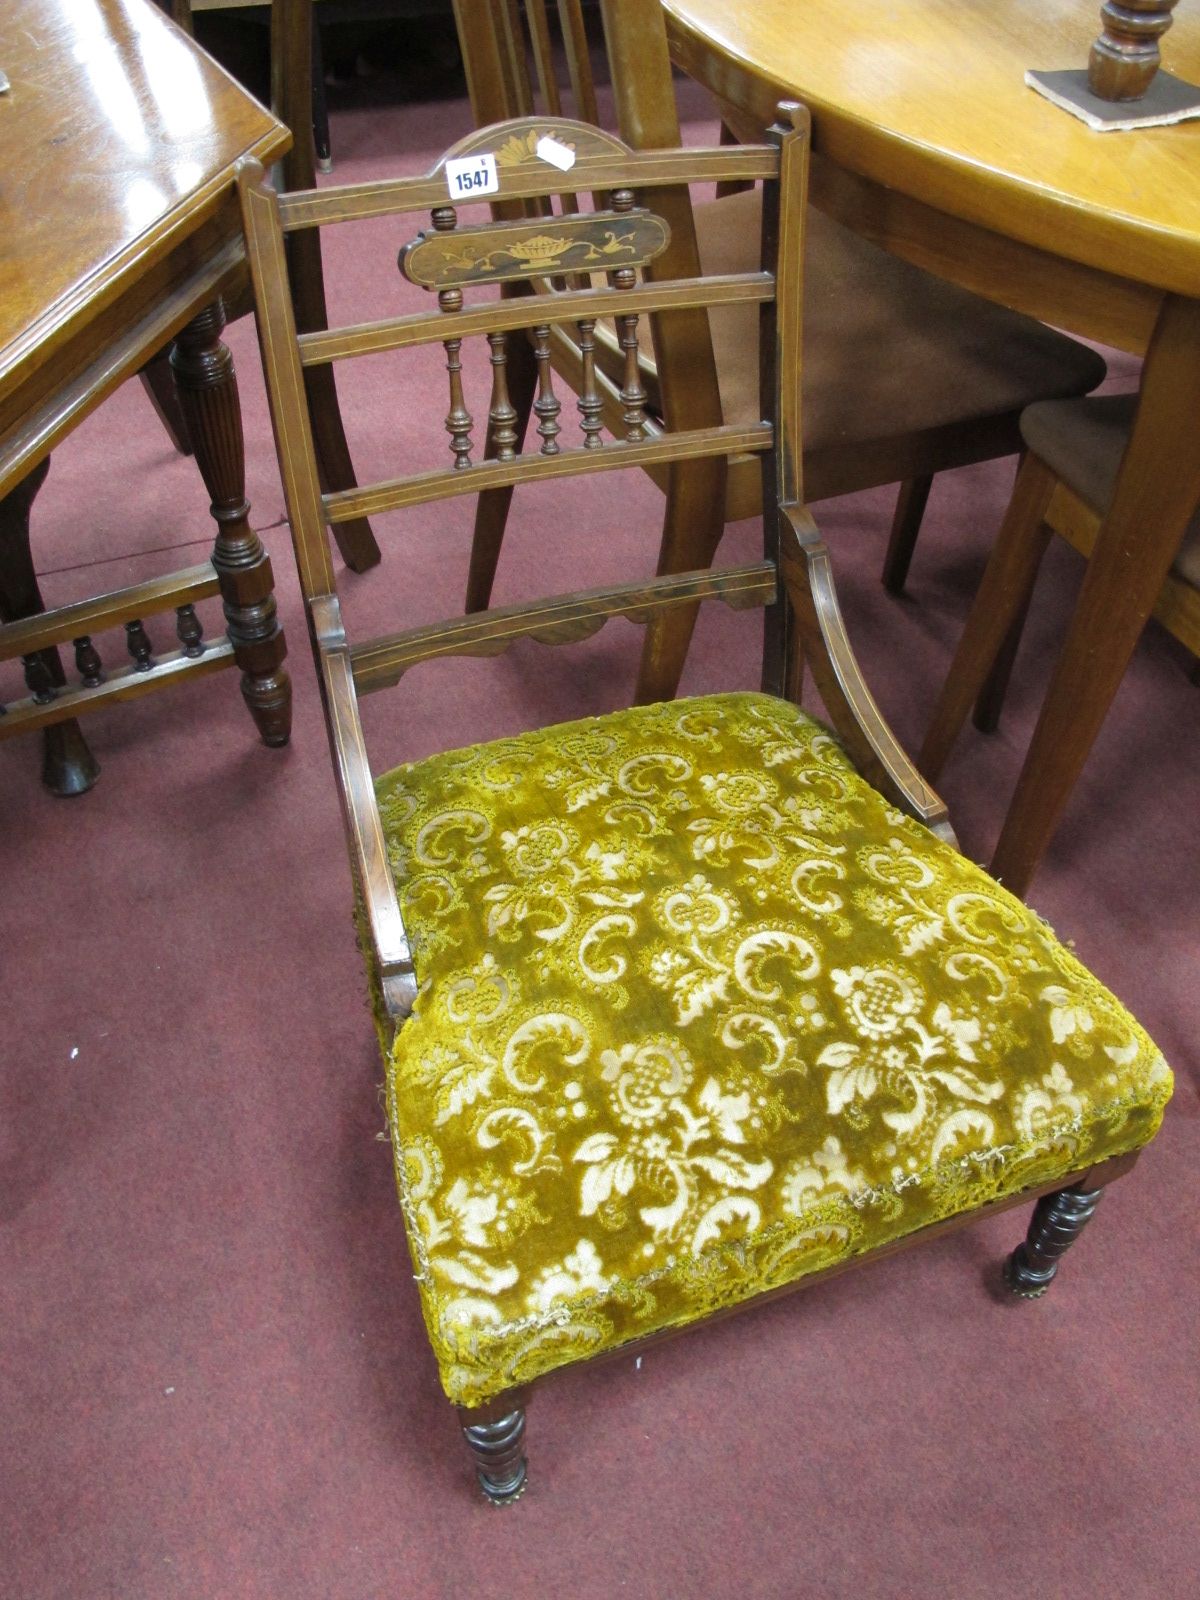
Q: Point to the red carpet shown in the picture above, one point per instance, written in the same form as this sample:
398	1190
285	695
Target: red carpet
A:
215	1381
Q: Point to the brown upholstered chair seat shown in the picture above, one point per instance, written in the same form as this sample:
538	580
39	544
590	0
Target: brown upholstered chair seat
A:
1082	442
889	350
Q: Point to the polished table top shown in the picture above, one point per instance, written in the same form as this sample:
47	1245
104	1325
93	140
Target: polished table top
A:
119	138
928	97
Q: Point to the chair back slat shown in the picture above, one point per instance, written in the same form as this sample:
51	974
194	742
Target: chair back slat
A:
419	488
425	327
505	252
380	663
579	63
600	171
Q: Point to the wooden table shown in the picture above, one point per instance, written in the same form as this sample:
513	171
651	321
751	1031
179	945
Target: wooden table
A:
121	232
929	143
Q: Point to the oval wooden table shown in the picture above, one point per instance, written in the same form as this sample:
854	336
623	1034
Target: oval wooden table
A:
928	142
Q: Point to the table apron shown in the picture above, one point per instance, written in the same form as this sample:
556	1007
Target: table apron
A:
84	367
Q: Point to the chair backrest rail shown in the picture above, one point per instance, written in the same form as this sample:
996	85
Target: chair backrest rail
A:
314	208
559	619
419	488
567	305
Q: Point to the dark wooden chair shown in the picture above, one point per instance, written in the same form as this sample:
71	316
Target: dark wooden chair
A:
905	375
687	1004
1065	485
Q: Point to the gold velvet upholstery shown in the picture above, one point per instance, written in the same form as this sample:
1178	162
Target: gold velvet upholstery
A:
699	1013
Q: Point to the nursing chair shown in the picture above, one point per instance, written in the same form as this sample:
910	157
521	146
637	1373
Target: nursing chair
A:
906	375
690	1003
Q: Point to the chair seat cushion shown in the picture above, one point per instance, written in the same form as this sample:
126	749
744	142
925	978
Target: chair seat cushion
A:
699	1013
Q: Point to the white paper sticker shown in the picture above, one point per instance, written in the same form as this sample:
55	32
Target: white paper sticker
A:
472	176
558	155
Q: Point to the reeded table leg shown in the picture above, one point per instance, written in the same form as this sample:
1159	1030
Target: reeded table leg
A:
68	766
208	394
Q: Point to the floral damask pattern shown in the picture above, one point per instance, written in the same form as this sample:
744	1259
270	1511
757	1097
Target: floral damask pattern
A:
699	1013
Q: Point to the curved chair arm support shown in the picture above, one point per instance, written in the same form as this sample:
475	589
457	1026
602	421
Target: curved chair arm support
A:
873	747
364	830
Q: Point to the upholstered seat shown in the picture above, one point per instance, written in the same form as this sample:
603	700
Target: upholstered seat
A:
936	355
1082	442
699	1013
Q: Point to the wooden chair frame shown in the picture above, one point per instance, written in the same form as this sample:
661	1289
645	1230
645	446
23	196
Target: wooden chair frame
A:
793	583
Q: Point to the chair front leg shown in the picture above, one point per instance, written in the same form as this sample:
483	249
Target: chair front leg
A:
497	1446
1057	1221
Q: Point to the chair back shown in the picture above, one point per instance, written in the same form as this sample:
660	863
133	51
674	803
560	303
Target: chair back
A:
526	159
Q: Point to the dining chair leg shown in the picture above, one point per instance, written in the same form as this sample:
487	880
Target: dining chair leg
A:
498	1453
355	541
906	525
691	534
1157	490
491	510
989	703
1003	594
1057	1221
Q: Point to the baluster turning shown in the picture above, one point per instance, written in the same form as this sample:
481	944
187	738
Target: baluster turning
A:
633	395
502	415
546	407
458	418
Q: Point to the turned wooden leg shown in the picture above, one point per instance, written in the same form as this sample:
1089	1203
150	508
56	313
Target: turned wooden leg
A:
68	766
208	393
906	525
498	1452
1003	595
491	511
1057	1221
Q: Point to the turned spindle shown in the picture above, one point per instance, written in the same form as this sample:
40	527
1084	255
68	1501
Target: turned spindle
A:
138	641
87	662
190	631
39	678
458	418
1125	56
502	414
590	403
547	405
633	395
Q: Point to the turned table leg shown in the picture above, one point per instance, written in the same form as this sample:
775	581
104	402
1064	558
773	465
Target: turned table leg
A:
68	766
208	395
